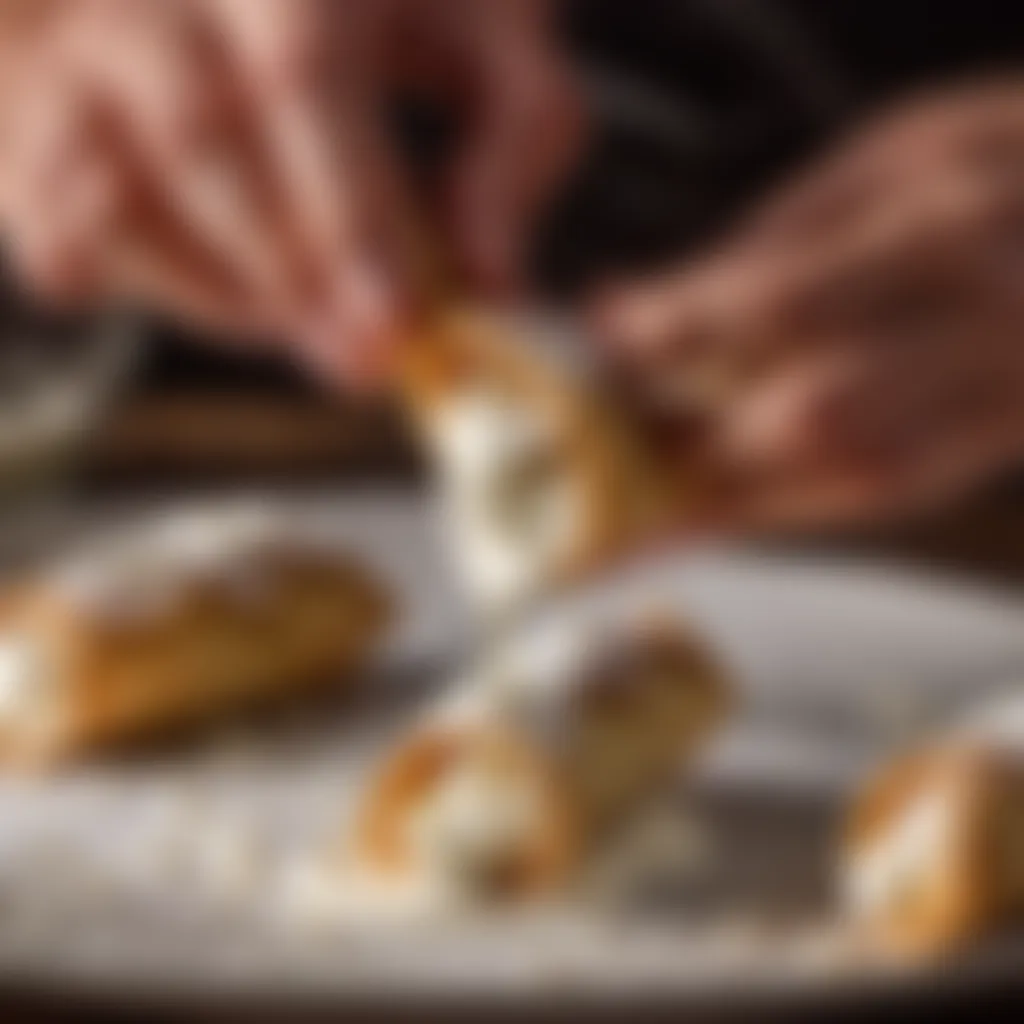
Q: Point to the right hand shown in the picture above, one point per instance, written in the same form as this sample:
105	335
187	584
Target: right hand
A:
223	160
857	347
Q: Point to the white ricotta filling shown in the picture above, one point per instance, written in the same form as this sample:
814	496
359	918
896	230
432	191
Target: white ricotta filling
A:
325	891
471	825
514	509
28	684
879	876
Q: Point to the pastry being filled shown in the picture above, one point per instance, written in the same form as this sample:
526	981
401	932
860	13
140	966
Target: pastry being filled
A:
542	478
172	622
933	852
503	790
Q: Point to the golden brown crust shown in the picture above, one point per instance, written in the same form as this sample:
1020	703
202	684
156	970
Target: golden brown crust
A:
629	722
207	654
972	884
540	866
625	496
646	705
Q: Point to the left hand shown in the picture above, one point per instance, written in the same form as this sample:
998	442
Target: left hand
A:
227	161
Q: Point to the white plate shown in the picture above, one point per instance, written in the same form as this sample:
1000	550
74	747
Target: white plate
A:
836	661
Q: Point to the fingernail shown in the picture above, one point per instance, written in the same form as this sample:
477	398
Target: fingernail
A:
644	322
352	341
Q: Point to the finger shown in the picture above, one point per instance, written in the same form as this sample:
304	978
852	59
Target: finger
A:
835	255
866	438
900	273
355	341
977	437
310	78
55	194
846	403
84	227
375	282
147	258
295	70
918	480
525	128
645	321
181	115
697	314
895	154
830	197
819	501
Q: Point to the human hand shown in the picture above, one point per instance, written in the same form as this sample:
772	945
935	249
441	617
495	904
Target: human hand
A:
226	160
856	349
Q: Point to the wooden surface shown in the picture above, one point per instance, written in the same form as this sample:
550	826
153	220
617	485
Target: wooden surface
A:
178	441
233	435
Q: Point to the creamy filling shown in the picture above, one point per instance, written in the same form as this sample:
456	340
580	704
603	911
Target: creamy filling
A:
472	825
880	876
327	891
514	508
28	685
